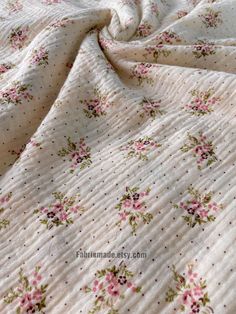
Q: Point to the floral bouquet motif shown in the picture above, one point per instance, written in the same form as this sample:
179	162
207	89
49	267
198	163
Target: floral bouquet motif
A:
60	212
141	71
201	149
3	202
14	6
30	293
39	57
154	9
203	49
181	13
97	106
15	94
132	208
140	148
59	23
151	108
199	208
190	292
109	285
4	67
18	37
202	102
163	39
157	51
168	37
144	29
211	18
79	154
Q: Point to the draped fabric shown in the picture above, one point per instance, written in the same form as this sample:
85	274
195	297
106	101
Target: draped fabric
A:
117	156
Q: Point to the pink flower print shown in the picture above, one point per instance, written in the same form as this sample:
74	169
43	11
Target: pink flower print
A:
109	276
97	106
26	300
151	108
197	291
61	212
154	8
211	18
75	209
144	29
96	282
63	216
79	154
105	43
202	102
123	215
57	207
198	208
140	148
181	13
18	37
201	149
37	295
143	68
39	57
137	206
186	296
44	210
132	207
129	284
15	94
139	145
192	275
203	213
34	283
141	71
14	6
157	51
127	203
113	291
31	298
167	37
203	49
4	67
109	285
190	292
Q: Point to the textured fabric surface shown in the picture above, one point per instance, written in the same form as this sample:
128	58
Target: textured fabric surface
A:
117	137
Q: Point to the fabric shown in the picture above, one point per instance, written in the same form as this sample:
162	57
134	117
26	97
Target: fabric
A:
118	140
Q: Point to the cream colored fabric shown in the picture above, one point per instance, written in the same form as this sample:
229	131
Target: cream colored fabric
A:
110	99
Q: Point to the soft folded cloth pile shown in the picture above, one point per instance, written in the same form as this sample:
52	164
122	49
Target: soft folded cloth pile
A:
117	156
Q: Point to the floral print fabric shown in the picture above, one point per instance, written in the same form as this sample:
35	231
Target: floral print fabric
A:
30	293
199	208
60	212
117	156
132	208
109	285
191	290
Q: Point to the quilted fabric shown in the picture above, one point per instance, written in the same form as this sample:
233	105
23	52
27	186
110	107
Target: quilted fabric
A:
117	158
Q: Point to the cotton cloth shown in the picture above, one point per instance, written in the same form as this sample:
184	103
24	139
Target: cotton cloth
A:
118	134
